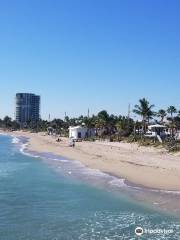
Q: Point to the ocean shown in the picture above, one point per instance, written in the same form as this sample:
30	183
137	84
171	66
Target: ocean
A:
47	197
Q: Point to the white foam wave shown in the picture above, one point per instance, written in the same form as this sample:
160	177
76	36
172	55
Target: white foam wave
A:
59	160
23	151
30	155
63	160
155	190
15	140
118	182
23	147
93	172
3	134
167	191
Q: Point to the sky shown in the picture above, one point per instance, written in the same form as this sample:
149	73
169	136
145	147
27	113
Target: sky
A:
96	54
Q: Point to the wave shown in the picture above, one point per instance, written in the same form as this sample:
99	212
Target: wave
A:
143	188
118	182
80	171
24	151
4	134
167	191
22	144
15	140
23	147
59	160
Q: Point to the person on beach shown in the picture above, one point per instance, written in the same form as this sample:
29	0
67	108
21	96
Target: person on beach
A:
73	143
58	140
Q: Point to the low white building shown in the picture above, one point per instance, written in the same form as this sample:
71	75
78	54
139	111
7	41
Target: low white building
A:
156	131
79	132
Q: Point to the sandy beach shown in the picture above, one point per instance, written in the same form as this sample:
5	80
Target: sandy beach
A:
146	166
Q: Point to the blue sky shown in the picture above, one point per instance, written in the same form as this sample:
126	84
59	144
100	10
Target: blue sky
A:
94	54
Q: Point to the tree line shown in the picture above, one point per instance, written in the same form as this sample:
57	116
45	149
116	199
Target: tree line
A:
106	125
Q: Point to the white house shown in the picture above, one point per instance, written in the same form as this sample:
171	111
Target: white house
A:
156	131
80	132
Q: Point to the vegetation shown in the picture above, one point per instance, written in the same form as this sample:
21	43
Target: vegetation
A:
112	127
144	109
8	123
171	110
162	114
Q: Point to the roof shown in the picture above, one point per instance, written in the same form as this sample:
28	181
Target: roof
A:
77	127
156	126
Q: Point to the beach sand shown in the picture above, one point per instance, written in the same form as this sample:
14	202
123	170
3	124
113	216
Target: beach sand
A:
146	166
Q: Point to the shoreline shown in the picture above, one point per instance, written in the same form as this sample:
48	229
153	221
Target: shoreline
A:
143	167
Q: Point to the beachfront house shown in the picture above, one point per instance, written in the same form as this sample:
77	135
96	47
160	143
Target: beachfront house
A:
157	131
80	132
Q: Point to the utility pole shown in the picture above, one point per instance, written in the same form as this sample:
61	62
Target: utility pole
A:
129	110
65	116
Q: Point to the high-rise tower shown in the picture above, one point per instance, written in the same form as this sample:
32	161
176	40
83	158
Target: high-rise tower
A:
27	108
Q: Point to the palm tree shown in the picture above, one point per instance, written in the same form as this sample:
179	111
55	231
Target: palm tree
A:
119	127
103	115
7	122
89	122
144	109
161	113
100	124
171	110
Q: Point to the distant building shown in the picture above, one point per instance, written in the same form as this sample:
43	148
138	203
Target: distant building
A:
80	132
27	108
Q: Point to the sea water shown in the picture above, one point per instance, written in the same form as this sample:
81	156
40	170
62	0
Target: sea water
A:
49	198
